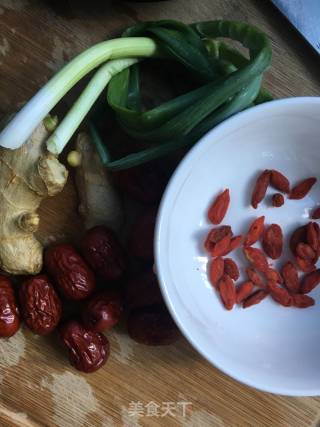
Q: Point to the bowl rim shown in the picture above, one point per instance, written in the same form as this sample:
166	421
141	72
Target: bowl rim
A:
245	115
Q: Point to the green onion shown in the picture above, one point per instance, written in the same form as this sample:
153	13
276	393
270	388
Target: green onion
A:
27	119
229	82
60	137
241	101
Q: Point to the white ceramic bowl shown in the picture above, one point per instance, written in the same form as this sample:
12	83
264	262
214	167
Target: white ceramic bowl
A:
267	346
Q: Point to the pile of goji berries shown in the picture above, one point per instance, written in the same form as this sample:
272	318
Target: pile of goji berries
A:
285	287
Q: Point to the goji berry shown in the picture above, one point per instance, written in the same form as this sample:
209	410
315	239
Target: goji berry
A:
260	188
234	244
302	301
302	189
305	251
316	244
255	277
243	291
257	258
215	235
310	281
305	265
277	200
221	247
255	298
219	207
274	275
272	241
227	291
255	231
280	295
216	271
231	269
316	214
279	181
298	236
313	235
290	277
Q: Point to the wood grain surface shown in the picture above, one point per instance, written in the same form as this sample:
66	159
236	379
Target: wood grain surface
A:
37	387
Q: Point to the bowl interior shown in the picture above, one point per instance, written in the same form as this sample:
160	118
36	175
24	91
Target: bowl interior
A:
267	346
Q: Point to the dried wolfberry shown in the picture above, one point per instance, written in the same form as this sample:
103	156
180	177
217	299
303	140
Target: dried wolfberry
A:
305	251
277	200
227	291
298	236
255	277
215	235
302	301
255	298
221	247
279	181
216	270
231	269
316	214
260	188
316	244
280	295
234	244
317	228
255	231
219	207
243	291
274	275
310	281
290	276
302	189
313	236
257	258
305	265
272	241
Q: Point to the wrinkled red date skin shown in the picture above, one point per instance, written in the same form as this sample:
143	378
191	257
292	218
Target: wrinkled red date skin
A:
152	325
71	274
88	350
103	252
103	311
141	240
9	313
142	291
40	305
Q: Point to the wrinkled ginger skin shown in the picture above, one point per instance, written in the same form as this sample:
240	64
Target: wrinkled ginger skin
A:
28	175
100	203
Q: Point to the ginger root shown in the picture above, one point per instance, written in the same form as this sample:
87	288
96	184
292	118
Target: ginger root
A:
100	203
27	176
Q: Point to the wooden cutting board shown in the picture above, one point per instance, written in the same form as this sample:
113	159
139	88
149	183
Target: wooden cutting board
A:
139	386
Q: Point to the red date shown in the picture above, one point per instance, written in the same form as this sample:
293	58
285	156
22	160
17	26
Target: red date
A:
142	291
141	241
72	276
103	311
144	183
152	325
103	252
9	314
40	305
88	350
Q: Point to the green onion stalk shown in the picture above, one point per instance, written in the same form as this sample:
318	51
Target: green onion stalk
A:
228	82
28	118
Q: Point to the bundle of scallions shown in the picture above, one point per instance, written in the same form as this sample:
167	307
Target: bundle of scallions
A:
228	82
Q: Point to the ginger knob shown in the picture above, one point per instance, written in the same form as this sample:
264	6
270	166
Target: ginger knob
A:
29	222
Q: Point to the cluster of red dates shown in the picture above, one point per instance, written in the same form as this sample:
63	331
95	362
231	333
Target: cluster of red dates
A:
103	281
